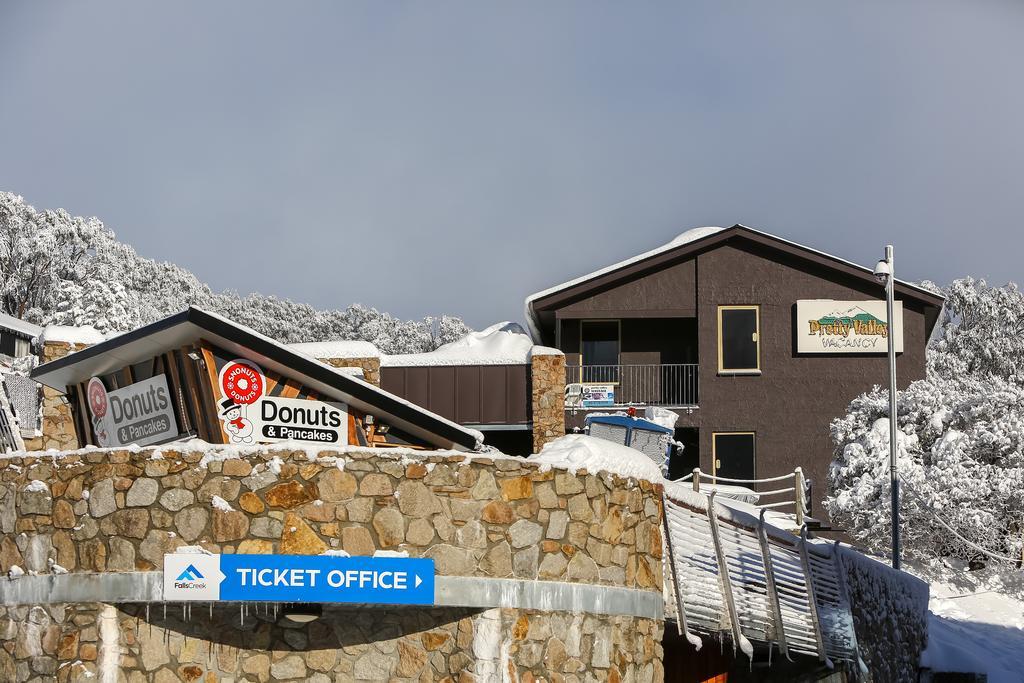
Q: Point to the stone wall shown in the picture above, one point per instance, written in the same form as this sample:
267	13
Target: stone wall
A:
58	426
370	366
84	641
890	616
121	510
547	394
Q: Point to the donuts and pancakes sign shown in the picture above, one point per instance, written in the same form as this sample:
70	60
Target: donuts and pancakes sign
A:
251	415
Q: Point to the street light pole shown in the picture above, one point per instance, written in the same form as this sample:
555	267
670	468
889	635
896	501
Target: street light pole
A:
890	336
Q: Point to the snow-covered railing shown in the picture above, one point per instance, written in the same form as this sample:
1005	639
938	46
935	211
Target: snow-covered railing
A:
795	495
731	573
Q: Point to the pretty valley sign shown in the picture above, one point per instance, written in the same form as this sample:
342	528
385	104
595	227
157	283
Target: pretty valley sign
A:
826	326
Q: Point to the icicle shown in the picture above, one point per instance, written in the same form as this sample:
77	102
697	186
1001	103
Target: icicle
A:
165	611
241	614
211	611
183	611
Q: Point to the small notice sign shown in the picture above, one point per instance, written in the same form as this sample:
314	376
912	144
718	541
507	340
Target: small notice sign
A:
299	578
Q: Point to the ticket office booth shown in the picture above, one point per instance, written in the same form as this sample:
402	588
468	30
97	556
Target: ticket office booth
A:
198	375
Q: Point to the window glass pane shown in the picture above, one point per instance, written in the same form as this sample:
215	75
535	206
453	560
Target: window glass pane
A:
601	343
739	339
600	348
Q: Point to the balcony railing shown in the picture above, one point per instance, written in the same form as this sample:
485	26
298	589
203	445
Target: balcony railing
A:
673	385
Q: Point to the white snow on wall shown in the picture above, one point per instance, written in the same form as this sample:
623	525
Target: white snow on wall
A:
503	343
110	645
71	335
337	349
579	451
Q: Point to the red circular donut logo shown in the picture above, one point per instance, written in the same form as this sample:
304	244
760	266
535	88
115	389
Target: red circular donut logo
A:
97	397
242	382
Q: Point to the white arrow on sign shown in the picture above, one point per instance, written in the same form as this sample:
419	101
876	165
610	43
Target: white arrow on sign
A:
418	580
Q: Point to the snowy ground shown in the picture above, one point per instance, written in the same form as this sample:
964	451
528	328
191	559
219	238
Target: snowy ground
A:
976	621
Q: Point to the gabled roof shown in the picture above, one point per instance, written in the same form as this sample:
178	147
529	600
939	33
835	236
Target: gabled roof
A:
690	242
19	326
194	324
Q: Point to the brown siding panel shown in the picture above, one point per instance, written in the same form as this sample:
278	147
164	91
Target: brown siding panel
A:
442	392
467	390
467	394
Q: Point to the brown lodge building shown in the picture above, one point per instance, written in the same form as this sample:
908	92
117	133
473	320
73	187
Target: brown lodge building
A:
756	342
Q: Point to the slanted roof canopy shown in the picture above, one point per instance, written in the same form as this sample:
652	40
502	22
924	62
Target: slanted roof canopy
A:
195	324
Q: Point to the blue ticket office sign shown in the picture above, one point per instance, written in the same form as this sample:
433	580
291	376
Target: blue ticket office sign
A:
298	578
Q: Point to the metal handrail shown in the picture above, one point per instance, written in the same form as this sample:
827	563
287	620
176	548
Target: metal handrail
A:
799	500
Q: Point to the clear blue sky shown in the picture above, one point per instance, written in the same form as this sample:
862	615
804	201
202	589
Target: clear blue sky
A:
454	157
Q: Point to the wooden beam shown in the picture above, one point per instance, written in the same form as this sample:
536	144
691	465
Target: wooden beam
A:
168	366
210	390
195	395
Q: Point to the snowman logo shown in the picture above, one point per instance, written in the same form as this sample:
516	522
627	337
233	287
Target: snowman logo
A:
239	427
242	384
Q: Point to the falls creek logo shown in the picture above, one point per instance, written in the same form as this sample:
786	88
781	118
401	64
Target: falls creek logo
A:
190	574
190	577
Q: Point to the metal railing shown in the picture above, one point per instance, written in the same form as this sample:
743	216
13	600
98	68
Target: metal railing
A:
673	384
730	573
795	495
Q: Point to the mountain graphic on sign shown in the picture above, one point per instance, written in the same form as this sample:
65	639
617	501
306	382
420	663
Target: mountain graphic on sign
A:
849	316
190	573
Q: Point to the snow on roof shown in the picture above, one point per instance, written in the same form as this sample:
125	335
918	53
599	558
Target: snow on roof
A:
579	451
9	322
503	343
348	348
71	335
690	235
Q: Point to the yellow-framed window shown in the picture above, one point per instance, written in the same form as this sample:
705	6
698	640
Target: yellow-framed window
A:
739	340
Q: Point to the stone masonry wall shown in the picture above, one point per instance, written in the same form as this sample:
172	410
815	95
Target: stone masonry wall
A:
85	641
370	366
121	510
58	426
547	392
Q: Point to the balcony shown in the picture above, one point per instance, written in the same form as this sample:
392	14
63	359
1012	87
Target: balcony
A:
667	385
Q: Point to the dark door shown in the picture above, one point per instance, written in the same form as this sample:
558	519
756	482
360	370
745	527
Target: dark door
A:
734	455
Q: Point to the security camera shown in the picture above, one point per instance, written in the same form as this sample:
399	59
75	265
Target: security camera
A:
882	271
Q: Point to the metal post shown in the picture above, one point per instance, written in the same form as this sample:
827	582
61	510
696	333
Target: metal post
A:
798	491
696	479
893	478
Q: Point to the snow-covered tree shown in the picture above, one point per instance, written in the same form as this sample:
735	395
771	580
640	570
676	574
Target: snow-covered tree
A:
58	268
960	438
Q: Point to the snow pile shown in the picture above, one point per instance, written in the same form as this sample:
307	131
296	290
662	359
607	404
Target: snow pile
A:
349	348
661	416
36	486
976	623
503	343
391	553
219	503
574	452
86	334
335	553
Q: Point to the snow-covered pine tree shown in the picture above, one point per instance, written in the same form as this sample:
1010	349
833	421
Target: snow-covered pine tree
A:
961	438
58	268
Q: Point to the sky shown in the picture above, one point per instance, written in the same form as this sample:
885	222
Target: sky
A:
446	157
